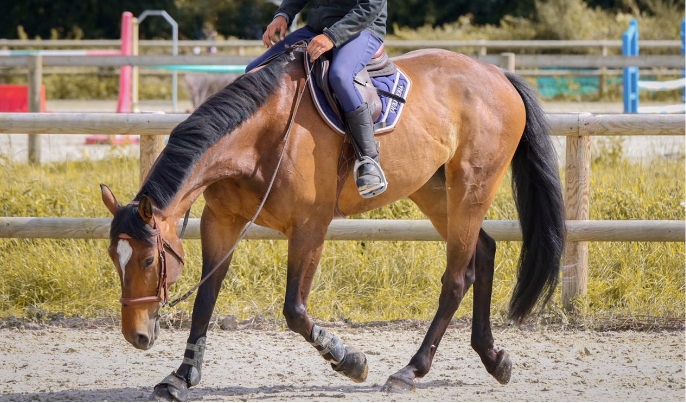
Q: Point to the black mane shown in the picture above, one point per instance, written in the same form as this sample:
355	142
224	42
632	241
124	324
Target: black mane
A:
214	119
128	221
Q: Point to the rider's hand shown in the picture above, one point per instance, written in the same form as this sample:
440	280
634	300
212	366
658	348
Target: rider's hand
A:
318	46
278	25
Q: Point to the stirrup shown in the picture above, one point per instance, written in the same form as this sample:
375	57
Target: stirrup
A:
370	191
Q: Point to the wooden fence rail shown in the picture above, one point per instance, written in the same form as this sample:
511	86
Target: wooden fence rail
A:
363	230
577	127
403	44
537	61
563	124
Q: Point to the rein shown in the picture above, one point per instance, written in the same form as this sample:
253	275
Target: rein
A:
259	209
163	245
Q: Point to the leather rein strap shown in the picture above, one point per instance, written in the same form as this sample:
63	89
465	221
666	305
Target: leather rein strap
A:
264	199
163	245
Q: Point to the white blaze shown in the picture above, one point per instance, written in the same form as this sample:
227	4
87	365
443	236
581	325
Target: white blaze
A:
124	251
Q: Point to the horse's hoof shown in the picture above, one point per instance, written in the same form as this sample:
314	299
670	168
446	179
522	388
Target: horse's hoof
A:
504	368
354	365
161	394
398	384
173	388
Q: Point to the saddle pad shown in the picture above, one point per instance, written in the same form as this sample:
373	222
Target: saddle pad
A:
398	84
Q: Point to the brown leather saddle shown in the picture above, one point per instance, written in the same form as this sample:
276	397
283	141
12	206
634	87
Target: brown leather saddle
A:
380	65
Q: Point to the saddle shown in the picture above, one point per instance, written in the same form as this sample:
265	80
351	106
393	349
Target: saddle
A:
382	85
379	66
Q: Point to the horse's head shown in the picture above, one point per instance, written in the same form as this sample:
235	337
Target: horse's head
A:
149	258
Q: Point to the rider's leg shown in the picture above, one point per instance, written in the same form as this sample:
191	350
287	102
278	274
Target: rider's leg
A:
300	34
347	61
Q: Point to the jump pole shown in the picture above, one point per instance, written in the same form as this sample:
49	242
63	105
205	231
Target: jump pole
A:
134	76
630	74
124	101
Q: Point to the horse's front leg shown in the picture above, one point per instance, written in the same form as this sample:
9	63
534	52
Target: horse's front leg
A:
218	236
304	252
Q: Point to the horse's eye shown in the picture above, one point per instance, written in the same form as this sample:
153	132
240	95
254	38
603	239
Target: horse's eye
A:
148	262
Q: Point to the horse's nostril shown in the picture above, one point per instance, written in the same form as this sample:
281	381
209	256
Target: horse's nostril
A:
142	341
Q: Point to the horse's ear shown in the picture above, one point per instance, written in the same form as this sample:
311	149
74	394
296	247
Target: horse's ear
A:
108	198
145	209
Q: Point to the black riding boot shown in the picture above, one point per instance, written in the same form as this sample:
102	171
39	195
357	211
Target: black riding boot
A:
369	176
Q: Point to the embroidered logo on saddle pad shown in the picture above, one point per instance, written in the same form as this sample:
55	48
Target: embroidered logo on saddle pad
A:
383	85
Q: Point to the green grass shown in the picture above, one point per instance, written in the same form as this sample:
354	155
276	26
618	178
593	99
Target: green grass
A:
356	281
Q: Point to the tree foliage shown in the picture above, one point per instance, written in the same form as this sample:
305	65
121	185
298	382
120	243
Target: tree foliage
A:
93	19
83	19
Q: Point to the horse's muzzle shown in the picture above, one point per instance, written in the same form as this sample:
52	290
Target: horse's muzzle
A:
144	340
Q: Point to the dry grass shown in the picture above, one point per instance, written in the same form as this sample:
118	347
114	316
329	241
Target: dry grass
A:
356	281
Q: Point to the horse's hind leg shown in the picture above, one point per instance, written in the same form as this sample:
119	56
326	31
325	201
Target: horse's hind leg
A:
304	252
452	292
218	236
496	361
469	191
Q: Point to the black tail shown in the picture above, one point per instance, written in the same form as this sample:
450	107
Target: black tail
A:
538	195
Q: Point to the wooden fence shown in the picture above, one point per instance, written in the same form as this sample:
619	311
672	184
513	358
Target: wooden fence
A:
577	127
240	45
362	230
530	61
36	62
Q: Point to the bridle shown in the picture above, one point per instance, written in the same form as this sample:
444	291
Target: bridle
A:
162	284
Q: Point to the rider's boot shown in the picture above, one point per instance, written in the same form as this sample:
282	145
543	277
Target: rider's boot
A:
369	177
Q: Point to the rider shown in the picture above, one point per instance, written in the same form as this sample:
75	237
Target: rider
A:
354	30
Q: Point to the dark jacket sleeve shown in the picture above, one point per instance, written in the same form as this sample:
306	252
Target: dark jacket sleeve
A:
358	19
290	8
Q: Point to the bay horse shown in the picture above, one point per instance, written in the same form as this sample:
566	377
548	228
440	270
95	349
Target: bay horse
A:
464	124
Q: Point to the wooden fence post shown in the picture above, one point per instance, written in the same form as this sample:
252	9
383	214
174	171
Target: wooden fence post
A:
507	61
577	204
35	83
150	149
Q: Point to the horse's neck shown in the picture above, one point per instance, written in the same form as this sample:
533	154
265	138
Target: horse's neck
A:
231	157
243	153
182	203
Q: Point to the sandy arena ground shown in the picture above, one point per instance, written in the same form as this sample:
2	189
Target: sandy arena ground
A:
268	363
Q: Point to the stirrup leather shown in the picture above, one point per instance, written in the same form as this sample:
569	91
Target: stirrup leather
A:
375	190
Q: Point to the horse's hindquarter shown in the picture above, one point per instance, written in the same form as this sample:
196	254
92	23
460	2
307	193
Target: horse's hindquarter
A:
457	107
